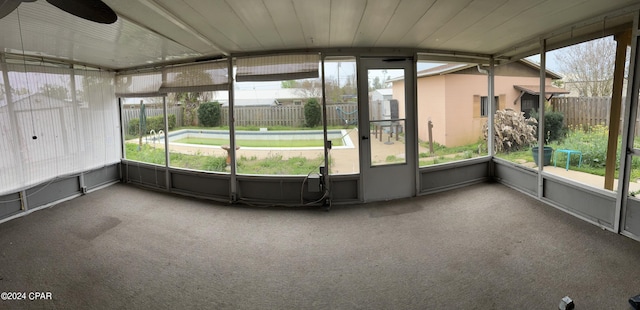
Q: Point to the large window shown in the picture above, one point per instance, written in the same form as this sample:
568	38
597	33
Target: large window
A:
196	129
55	122
143	124
342	114
200	140
577	121
452	110
273	134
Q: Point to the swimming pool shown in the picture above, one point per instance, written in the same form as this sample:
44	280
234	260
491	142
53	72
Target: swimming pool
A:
275	135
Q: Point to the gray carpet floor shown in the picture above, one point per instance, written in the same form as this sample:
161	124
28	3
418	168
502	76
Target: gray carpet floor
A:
480	247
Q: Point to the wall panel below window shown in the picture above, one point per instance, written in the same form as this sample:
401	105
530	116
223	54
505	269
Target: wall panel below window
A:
516	176
452	175
56	190
199	184
594	205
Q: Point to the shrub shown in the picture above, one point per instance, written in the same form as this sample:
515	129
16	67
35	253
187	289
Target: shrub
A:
512	131
209	114
312	113
553	125
592	144
155	123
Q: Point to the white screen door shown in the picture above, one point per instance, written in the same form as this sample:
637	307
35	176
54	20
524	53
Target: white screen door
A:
386	123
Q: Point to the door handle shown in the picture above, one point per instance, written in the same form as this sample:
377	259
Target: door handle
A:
365	138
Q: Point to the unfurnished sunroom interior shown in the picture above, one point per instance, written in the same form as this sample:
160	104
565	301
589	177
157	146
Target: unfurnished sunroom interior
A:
178	121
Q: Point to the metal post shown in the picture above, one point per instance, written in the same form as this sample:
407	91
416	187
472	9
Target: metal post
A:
232	132
166	143
430	128
123	150
492	108
630	113
140	125
325	176
541	103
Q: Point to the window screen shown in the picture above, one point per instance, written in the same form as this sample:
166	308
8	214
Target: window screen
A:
277	68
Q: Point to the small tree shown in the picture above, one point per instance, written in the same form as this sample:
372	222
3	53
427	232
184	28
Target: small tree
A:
191	100
209	114
553	125
312	113
588	67
512	131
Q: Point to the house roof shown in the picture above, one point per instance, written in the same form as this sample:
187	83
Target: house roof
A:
444	69
35	100
455	67
248	97
535	89
536	66
384	91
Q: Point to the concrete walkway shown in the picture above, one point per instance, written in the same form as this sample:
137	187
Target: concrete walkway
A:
583	177
587	178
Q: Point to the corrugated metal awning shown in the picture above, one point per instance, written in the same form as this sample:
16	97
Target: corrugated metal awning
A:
535	89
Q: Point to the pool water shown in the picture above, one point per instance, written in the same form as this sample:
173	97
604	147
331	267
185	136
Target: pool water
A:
298	139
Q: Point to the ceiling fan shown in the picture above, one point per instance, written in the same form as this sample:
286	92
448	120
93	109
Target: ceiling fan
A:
93	10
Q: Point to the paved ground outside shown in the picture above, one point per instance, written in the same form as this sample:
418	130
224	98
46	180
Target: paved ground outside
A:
582	177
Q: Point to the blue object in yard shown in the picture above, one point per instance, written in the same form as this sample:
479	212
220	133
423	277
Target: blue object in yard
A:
569	152
546	159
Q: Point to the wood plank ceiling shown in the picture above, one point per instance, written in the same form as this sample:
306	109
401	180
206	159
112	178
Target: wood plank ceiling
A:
151	32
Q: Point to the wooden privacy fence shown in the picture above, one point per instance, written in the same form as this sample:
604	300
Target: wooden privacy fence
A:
129	114
261	116
587	111
290	115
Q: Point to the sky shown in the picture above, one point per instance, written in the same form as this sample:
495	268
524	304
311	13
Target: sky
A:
333	70
552	64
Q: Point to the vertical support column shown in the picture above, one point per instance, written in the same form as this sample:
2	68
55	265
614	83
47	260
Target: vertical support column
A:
123	150
325	175
623	40
630	113
492	108
541	103
232	132
361	75
166	143
413	112
77	130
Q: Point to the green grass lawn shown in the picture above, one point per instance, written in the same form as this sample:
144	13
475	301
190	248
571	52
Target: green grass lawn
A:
260	143
442	154
273	165
276	165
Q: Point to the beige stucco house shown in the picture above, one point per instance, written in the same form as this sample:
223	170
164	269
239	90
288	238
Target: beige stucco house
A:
454	98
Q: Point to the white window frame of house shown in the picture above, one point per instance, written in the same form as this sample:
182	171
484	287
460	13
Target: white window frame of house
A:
297	102
484	105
